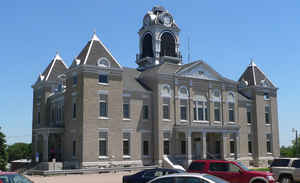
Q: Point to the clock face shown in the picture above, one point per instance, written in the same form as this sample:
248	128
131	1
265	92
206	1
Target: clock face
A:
147	21
167	20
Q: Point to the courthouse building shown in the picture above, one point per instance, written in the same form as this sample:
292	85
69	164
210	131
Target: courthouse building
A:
97	112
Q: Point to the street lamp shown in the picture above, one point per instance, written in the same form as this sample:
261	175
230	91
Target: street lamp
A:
296	140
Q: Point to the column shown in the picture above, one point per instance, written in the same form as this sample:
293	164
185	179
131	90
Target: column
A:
223	145
188	136
204	146
45	149
236	145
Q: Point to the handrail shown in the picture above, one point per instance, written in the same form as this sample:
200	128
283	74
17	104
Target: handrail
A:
87	170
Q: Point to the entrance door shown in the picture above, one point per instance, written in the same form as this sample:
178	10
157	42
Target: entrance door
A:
198	149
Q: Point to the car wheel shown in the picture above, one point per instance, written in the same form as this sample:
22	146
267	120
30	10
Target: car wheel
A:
285	179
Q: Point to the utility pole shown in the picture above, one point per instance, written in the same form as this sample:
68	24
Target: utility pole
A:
296	141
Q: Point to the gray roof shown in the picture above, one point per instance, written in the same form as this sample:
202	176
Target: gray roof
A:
243	97
53	70
94	50
254	76
130	81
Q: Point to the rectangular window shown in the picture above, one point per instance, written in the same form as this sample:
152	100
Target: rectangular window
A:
126	107
249	115
183	147
74	110
231	111
63	112
74	80
166	143
103	143
145	112
218	147
250	144
267	114
183	109
52	114
103	106
266	96
269	144
103	78
74	148
166	108
217	111
126	144
232	144
146	148
39	117
200	111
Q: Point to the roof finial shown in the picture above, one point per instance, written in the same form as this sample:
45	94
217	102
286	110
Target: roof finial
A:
57	56
252	64
95	37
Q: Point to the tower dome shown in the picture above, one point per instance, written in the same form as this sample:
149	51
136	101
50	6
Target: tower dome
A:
159	39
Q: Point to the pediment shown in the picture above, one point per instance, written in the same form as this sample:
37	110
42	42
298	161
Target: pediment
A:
200	71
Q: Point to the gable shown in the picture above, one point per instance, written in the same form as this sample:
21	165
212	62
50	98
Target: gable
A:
200	70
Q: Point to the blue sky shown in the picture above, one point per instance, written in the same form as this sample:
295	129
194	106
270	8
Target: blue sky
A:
226	34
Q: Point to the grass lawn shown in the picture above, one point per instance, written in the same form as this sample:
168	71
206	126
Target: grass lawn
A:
260	169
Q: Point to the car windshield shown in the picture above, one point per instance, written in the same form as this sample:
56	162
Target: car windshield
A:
280	162
14	178
243	166
214	179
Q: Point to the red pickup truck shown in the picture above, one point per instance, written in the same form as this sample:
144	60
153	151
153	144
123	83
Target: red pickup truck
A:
234	172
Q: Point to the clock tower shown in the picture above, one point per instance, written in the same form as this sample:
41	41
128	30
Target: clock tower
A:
159	39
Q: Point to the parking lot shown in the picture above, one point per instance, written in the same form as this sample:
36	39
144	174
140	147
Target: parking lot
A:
82	178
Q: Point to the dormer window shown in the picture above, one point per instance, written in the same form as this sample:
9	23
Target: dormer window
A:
266	96
103	62
103	78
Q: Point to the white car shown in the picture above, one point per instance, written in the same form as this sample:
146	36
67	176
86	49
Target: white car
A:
188	178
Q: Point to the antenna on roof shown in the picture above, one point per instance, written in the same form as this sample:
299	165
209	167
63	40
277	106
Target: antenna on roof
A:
189	54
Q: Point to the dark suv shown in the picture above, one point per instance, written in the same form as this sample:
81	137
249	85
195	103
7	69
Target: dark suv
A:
234	172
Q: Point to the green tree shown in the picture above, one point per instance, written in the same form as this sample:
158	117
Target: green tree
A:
292	150
3	152
19	151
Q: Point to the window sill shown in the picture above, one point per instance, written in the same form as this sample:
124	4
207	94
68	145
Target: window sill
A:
267	124
126	119
196	121
249	124
103	157
267	99
249	154
146	156
126	157
184	121
269	153
105	84
217	122
166	119
231	122
102	117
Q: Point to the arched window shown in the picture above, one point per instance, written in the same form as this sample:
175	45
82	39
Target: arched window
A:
166	90
183	105
167	45
147	46
231	113
183	92
216	98
201	112
103	62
